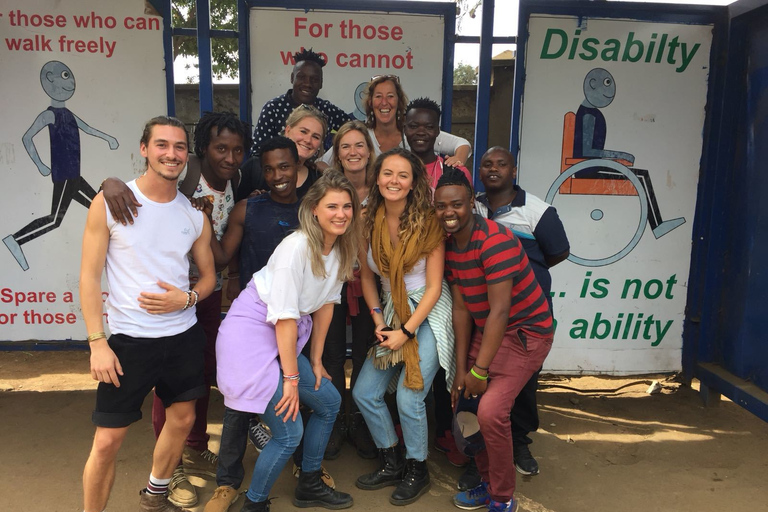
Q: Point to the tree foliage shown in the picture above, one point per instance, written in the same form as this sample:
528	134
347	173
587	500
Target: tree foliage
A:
464	74
224	54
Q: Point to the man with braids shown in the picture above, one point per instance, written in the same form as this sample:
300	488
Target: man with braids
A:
307	80
221	142
495	291
421	129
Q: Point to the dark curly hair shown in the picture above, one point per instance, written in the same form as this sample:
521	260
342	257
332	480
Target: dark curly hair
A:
220	121
425	103
279	142
309	55
454	176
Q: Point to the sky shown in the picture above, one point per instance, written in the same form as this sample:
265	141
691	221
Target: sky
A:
505	24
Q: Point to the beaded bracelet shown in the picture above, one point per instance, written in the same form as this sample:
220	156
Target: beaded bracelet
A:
477	375
189	299
197	298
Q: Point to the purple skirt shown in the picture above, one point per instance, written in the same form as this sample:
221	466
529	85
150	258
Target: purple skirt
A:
248	371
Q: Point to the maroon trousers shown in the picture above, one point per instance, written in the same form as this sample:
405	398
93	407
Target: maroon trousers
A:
511	368
208	313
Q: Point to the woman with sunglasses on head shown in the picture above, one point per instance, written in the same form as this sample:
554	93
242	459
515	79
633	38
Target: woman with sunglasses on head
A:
354	156
414	335
385	103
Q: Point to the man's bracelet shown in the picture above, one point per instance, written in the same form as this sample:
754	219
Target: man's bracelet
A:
477	375
189	299
96	336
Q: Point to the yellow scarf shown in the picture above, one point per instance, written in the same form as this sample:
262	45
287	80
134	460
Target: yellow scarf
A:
394	263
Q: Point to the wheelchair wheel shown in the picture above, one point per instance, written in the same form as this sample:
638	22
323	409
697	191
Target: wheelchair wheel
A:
597	215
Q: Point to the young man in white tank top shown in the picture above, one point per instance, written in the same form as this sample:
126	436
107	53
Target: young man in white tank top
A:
156	341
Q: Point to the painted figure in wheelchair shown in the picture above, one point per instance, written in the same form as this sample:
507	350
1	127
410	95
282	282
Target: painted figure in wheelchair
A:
589	131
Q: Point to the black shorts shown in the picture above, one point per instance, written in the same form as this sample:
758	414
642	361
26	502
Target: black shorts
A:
173	365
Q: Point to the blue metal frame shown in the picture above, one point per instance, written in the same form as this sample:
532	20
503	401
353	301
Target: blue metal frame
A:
204	55
483	102
717	354
445	9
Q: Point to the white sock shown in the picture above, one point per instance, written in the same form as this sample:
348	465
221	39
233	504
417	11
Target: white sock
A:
157	485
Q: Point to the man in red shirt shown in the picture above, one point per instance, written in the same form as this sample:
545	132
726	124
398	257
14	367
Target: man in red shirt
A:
495	291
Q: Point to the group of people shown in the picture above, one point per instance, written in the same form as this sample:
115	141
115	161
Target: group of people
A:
383	232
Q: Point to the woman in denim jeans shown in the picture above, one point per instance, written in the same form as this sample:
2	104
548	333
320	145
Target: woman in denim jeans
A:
405	247
285	304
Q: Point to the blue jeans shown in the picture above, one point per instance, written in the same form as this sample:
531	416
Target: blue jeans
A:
324	403
369	396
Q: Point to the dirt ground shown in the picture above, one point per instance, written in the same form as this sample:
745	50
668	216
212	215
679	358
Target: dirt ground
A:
604	445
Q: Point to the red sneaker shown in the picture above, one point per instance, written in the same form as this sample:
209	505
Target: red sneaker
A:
447	445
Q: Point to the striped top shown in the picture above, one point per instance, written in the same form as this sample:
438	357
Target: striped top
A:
494	254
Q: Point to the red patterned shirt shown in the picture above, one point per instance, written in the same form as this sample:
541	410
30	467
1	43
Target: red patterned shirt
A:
493	255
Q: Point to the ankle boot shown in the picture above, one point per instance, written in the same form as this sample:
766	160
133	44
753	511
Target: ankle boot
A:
311	491
390	471
255	506
415	483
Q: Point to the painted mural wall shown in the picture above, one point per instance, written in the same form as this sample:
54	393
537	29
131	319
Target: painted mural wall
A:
80	79
611	135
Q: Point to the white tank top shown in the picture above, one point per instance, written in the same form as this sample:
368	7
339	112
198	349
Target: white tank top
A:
153	249
414	279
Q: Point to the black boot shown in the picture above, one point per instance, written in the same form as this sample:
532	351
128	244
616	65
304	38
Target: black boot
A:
338	435
255	506
389	473
361	437
311	491
415	483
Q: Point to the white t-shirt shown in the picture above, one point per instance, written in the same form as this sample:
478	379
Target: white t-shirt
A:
153	249
287	285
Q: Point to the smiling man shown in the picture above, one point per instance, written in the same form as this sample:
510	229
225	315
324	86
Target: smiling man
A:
543	237
307	81
156	340
421	129
494	290
221	141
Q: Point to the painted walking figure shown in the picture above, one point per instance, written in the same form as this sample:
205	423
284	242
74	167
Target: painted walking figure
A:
64	128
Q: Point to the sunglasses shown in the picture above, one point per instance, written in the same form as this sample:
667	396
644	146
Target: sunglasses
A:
313	110
386	77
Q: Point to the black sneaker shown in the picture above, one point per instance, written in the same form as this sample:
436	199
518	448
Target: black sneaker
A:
259	435
524	461
470	478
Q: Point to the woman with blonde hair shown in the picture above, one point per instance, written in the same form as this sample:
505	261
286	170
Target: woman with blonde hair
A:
353	152
260	366
307	126
405	247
